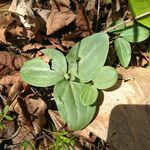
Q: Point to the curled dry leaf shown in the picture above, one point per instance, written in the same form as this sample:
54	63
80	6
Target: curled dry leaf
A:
42	17
5	24
60	16
31	112
16	89
10	29
26	14
83	22
123	117
56	43
68	39
31	46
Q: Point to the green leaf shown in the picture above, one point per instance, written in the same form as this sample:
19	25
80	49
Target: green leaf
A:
139	7
67	96
88	55
106	77
88	94
59	63
2	126
9	118
123	50
135	34
119	26
27	144
36	72
6	110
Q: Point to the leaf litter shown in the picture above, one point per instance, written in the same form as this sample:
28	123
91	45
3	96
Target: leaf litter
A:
27	27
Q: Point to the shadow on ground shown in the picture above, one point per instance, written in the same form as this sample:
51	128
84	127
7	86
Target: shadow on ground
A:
129	127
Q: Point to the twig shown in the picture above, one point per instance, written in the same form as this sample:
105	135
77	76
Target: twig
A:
127	21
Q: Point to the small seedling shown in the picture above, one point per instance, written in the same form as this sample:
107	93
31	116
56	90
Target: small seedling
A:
76	78
62	142
4	115
27	145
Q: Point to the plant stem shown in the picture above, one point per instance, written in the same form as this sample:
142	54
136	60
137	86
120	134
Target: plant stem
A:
129	21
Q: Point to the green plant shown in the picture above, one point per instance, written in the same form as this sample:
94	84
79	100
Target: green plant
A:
125	36
4	115
141	8
27	144
62	142
76	78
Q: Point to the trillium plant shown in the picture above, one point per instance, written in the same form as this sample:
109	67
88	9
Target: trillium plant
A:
76	78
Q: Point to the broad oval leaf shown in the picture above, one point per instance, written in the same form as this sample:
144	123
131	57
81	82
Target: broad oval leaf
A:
135	34
106	77
37	73
67	97
92	48
123	50
59	63
88	94
139	7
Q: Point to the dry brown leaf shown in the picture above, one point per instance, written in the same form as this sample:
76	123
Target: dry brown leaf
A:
58	121
23	134
56	43
4	4
60	16
68	44
42	17
123	117
31	112
12	61
10	29
31	46
83	22
6	22
16	89
90	4
26	14
68	39
10	79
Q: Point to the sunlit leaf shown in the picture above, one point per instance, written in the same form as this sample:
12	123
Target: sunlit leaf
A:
38	73
139	7
135	34
59	63
106	77
88	94
123	50
88	55
67	96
